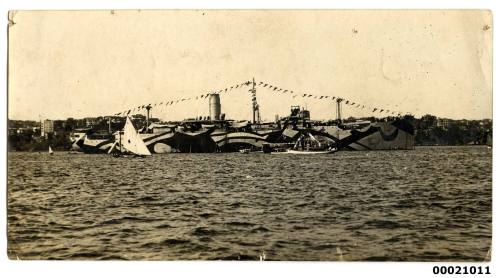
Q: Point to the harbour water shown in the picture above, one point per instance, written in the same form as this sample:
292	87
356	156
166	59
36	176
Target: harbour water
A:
428	204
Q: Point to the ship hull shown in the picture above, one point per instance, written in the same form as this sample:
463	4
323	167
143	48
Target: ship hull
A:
93	146
394	135
377	136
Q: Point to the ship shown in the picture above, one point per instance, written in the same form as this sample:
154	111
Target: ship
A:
215	133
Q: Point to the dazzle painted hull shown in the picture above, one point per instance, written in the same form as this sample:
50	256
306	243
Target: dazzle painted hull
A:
93	146
205	141
376	136
235	141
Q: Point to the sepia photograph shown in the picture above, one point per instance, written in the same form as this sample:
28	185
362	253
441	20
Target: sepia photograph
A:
250	135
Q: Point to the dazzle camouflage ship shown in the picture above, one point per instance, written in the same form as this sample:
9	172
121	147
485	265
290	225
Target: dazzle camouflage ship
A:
217	134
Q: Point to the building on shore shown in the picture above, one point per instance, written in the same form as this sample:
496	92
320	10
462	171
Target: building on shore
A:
47	128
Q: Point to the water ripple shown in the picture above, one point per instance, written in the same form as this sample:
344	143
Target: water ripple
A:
433	203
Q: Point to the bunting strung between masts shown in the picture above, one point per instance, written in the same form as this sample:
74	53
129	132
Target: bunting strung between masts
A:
293	93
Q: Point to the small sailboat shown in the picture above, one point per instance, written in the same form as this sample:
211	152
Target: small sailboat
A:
131	142
50	150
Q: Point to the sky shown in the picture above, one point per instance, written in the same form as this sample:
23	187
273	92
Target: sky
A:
94	63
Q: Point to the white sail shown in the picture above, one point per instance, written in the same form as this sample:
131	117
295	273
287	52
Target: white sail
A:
132	141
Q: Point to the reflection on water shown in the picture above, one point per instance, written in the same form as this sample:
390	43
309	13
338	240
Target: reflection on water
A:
433	203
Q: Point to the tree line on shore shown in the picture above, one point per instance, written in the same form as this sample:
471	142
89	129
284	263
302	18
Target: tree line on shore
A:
431	130
23	142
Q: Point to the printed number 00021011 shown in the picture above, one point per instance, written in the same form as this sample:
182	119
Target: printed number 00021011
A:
461	270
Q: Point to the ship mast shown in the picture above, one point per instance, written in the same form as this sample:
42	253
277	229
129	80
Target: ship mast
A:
255	106
109	124
148	107
339	109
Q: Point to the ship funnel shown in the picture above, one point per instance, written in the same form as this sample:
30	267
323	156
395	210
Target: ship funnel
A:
214	107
